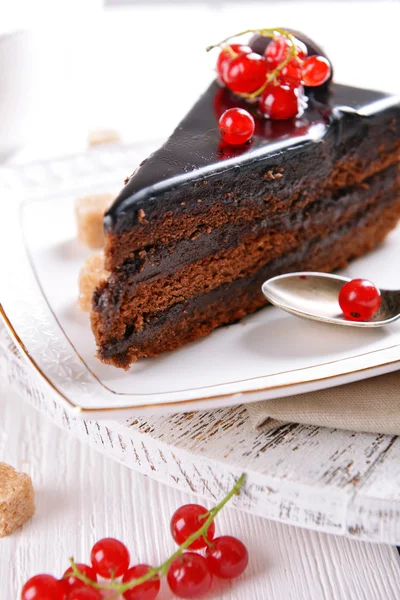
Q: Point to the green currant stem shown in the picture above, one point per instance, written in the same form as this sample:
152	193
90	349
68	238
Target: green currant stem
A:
273	76
230	51
264	32
162	570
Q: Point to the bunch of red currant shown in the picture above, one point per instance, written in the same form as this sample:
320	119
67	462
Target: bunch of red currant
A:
274	80
189	574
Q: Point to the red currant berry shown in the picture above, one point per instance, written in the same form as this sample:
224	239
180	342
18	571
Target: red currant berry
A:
84	593
42	587
245	73
278	49
147	590
316	70
280	101
110	558
72	583
291	74
359	299
225	57
236	126
189	576
185	521
227	557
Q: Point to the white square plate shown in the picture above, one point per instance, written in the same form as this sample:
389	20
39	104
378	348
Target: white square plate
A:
267	355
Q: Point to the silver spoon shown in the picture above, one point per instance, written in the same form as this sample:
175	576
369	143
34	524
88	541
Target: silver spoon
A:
315	296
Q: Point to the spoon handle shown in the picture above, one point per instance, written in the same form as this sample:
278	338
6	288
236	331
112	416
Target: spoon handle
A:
391	299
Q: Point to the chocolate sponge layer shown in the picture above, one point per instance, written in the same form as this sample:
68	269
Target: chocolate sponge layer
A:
198	316
323	236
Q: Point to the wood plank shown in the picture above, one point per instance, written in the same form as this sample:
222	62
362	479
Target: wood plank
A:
82	496
308	476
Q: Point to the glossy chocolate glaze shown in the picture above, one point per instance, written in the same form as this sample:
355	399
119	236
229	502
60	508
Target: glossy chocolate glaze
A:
194	154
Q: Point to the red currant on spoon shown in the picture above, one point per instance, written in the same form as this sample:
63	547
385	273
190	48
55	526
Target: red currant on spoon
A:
359	299
322	296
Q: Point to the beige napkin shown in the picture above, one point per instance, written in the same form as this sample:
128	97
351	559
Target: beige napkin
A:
370	405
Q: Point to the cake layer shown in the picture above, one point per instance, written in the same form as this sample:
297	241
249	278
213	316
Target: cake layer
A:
342	139
157	261
197	317
121	311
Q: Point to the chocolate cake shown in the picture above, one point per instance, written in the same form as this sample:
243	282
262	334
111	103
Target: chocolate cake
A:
201	225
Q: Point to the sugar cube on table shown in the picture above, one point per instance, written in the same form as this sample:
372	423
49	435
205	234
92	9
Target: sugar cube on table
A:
103	136
91	275
16	499
89	212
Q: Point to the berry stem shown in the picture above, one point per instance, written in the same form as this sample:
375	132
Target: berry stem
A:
273	76
160	571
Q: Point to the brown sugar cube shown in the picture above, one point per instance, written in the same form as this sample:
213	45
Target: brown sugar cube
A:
90	276
103	136
89	212
16	499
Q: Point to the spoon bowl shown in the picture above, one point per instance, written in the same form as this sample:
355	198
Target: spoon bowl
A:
315	296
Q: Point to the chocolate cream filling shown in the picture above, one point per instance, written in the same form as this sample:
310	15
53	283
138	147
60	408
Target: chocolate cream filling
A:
127	302
199	315
154	261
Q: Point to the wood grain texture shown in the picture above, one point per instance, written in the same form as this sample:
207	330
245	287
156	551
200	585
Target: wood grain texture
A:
323	479
82	496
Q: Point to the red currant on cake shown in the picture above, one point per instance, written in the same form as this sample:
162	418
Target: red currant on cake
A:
315	71
291	74
43	587
246	73
278	49
236	126
110	558
226	55
145	591
189	576
227	557
280	101
188	519
359	299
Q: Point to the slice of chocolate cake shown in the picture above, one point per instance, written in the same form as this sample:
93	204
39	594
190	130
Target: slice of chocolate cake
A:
200	225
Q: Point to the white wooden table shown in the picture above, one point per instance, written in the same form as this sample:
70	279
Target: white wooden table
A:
82	496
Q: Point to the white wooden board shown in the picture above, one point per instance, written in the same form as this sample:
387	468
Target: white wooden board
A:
82	496
323	479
